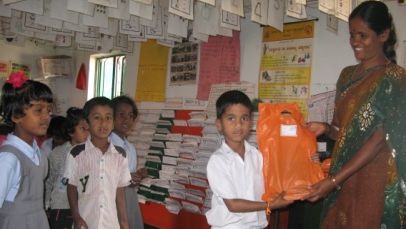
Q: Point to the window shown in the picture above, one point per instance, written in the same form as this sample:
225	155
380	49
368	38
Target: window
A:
109	74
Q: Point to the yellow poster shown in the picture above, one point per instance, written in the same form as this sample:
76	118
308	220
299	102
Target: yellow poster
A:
285	70
151	79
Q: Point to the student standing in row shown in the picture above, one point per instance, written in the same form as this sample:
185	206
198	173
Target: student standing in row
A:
234	171
56	199
26	106
97	173
125	113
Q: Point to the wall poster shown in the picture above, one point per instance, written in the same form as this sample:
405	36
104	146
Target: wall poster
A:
184	63
285	69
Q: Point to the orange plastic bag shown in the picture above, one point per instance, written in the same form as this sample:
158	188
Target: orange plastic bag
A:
286	145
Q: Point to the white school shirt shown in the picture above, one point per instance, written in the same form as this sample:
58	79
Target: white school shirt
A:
97	177
10	167
231	177
129	149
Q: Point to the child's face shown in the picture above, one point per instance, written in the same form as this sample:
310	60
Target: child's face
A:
123	119
235	123
35	122
80	133
100	121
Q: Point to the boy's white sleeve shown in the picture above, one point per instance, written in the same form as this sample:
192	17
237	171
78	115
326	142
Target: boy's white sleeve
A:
220	179
125	176
70	170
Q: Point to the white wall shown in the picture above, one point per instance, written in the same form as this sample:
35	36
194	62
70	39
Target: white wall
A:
331	52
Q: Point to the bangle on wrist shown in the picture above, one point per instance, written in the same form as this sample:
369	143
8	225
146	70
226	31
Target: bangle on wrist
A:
268	208
328	129
334	181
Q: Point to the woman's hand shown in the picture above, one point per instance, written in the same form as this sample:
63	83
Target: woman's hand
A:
320	190
280	202
318	128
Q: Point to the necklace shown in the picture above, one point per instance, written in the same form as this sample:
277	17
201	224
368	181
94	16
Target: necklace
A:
355	78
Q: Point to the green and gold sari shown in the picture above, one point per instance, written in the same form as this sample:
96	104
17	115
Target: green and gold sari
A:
373	197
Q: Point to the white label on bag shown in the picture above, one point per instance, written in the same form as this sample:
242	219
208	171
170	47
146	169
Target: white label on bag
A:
289	130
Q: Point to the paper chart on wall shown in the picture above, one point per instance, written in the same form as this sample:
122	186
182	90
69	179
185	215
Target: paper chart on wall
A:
343	9
5	27
30	6
233	6
321	107
121	12
151	80
276	12
217	89
5	11
182	8
157	30
326	6
206	19
108	3
29	24
132	27
219	63
80	6
144	1
177	25
6	2
285	69
59	11
16	24
46	18
229	20
211	2
141	10
63	41
296	10
75	27
112	29
259	11
99	18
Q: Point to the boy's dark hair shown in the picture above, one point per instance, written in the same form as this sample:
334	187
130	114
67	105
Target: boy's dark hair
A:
96	101
127	100
73	116
15	100
230	98
57	128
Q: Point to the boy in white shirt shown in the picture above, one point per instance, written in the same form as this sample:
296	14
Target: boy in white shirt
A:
234	171
97	173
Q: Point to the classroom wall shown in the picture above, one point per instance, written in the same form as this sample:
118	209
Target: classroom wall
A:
331	52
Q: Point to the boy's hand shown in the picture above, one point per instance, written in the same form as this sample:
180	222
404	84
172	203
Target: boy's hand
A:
318	128
142	172
280	202
79	223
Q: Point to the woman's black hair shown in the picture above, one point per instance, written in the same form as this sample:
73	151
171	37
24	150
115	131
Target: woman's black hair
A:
73	115
127	100
14	100
232	97
376	15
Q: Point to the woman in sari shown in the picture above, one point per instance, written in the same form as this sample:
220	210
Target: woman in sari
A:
366	186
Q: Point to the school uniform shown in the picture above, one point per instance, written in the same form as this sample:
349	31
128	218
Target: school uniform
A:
231	177
56	197
97	177
22	173
133	208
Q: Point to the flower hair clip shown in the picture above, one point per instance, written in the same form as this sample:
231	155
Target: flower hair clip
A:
17	79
